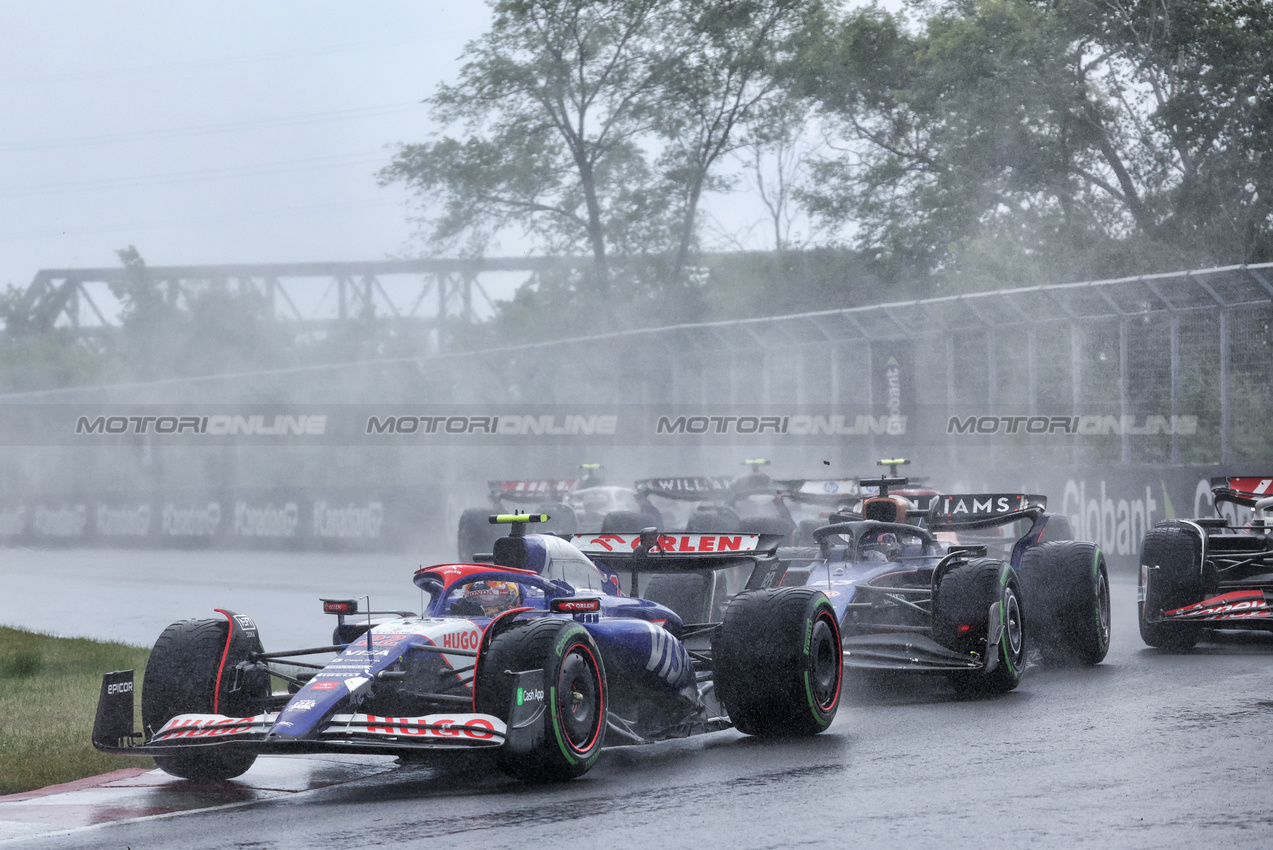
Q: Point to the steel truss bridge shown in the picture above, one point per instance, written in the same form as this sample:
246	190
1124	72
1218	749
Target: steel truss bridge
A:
425	292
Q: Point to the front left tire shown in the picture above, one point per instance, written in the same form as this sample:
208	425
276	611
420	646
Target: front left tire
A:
962	623
182	678
577	696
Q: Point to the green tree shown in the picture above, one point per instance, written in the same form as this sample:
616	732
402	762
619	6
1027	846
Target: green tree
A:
596	126
1050	138
555	99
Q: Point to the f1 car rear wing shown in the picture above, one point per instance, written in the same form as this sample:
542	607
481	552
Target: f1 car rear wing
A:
820	491
983	510
921	497
1243	490
670	546
532	490
691	488
649	552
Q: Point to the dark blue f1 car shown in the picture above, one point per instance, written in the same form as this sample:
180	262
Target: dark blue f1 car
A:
961	587
538	655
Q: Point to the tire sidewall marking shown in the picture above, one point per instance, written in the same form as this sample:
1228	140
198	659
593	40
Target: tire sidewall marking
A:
821	609
1004	575
1103	635
570	639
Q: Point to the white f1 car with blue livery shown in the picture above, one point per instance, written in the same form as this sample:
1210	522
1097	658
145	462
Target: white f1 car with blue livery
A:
539	656
960	587
570	503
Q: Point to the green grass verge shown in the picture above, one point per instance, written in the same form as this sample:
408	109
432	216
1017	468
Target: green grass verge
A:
48	698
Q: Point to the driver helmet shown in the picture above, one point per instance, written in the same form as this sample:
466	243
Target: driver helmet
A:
883	546
494	597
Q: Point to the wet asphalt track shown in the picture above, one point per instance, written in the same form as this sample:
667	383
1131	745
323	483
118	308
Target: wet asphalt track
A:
1146	750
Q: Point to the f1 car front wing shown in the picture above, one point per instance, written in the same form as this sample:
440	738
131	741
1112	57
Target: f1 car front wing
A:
344	732
918	651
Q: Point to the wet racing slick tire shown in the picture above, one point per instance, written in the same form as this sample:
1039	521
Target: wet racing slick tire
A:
181	678
576	696
1170	577
778	663
1066	588
961	622
476	534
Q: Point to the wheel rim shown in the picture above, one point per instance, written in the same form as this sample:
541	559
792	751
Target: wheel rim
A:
825	654
1103	606
579	698
1012	623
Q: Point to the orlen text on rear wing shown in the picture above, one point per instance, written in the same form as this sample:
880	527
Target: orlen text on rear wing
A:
693	552
983	510
1241	490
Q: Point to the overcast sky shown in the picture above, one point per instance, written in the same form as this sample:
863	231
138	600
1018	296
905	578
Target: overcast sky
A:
230	132
213	133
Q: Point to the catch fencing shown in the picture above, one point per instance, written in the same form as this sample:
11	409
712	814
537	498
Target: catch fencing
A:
987	389
1168	368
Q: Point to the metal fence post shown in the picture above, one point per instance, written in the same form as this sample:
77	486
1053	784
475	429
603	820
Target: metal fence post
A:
1124	376
1226	421
1175	387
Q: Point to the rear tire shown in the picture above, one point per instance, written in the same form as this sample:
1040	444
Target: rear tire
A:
1066	586
629	522
778	662
476	534
577	696
961	622
181	678
1176	552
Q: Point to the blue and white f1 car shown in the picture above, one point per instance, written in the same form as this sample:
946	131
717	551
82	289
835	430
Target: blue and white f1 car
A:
958	588
539	656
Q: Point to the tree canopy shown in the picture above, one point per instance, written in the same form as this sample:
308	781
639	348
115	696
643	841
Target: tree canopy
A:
973	142
595	126
1088	137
